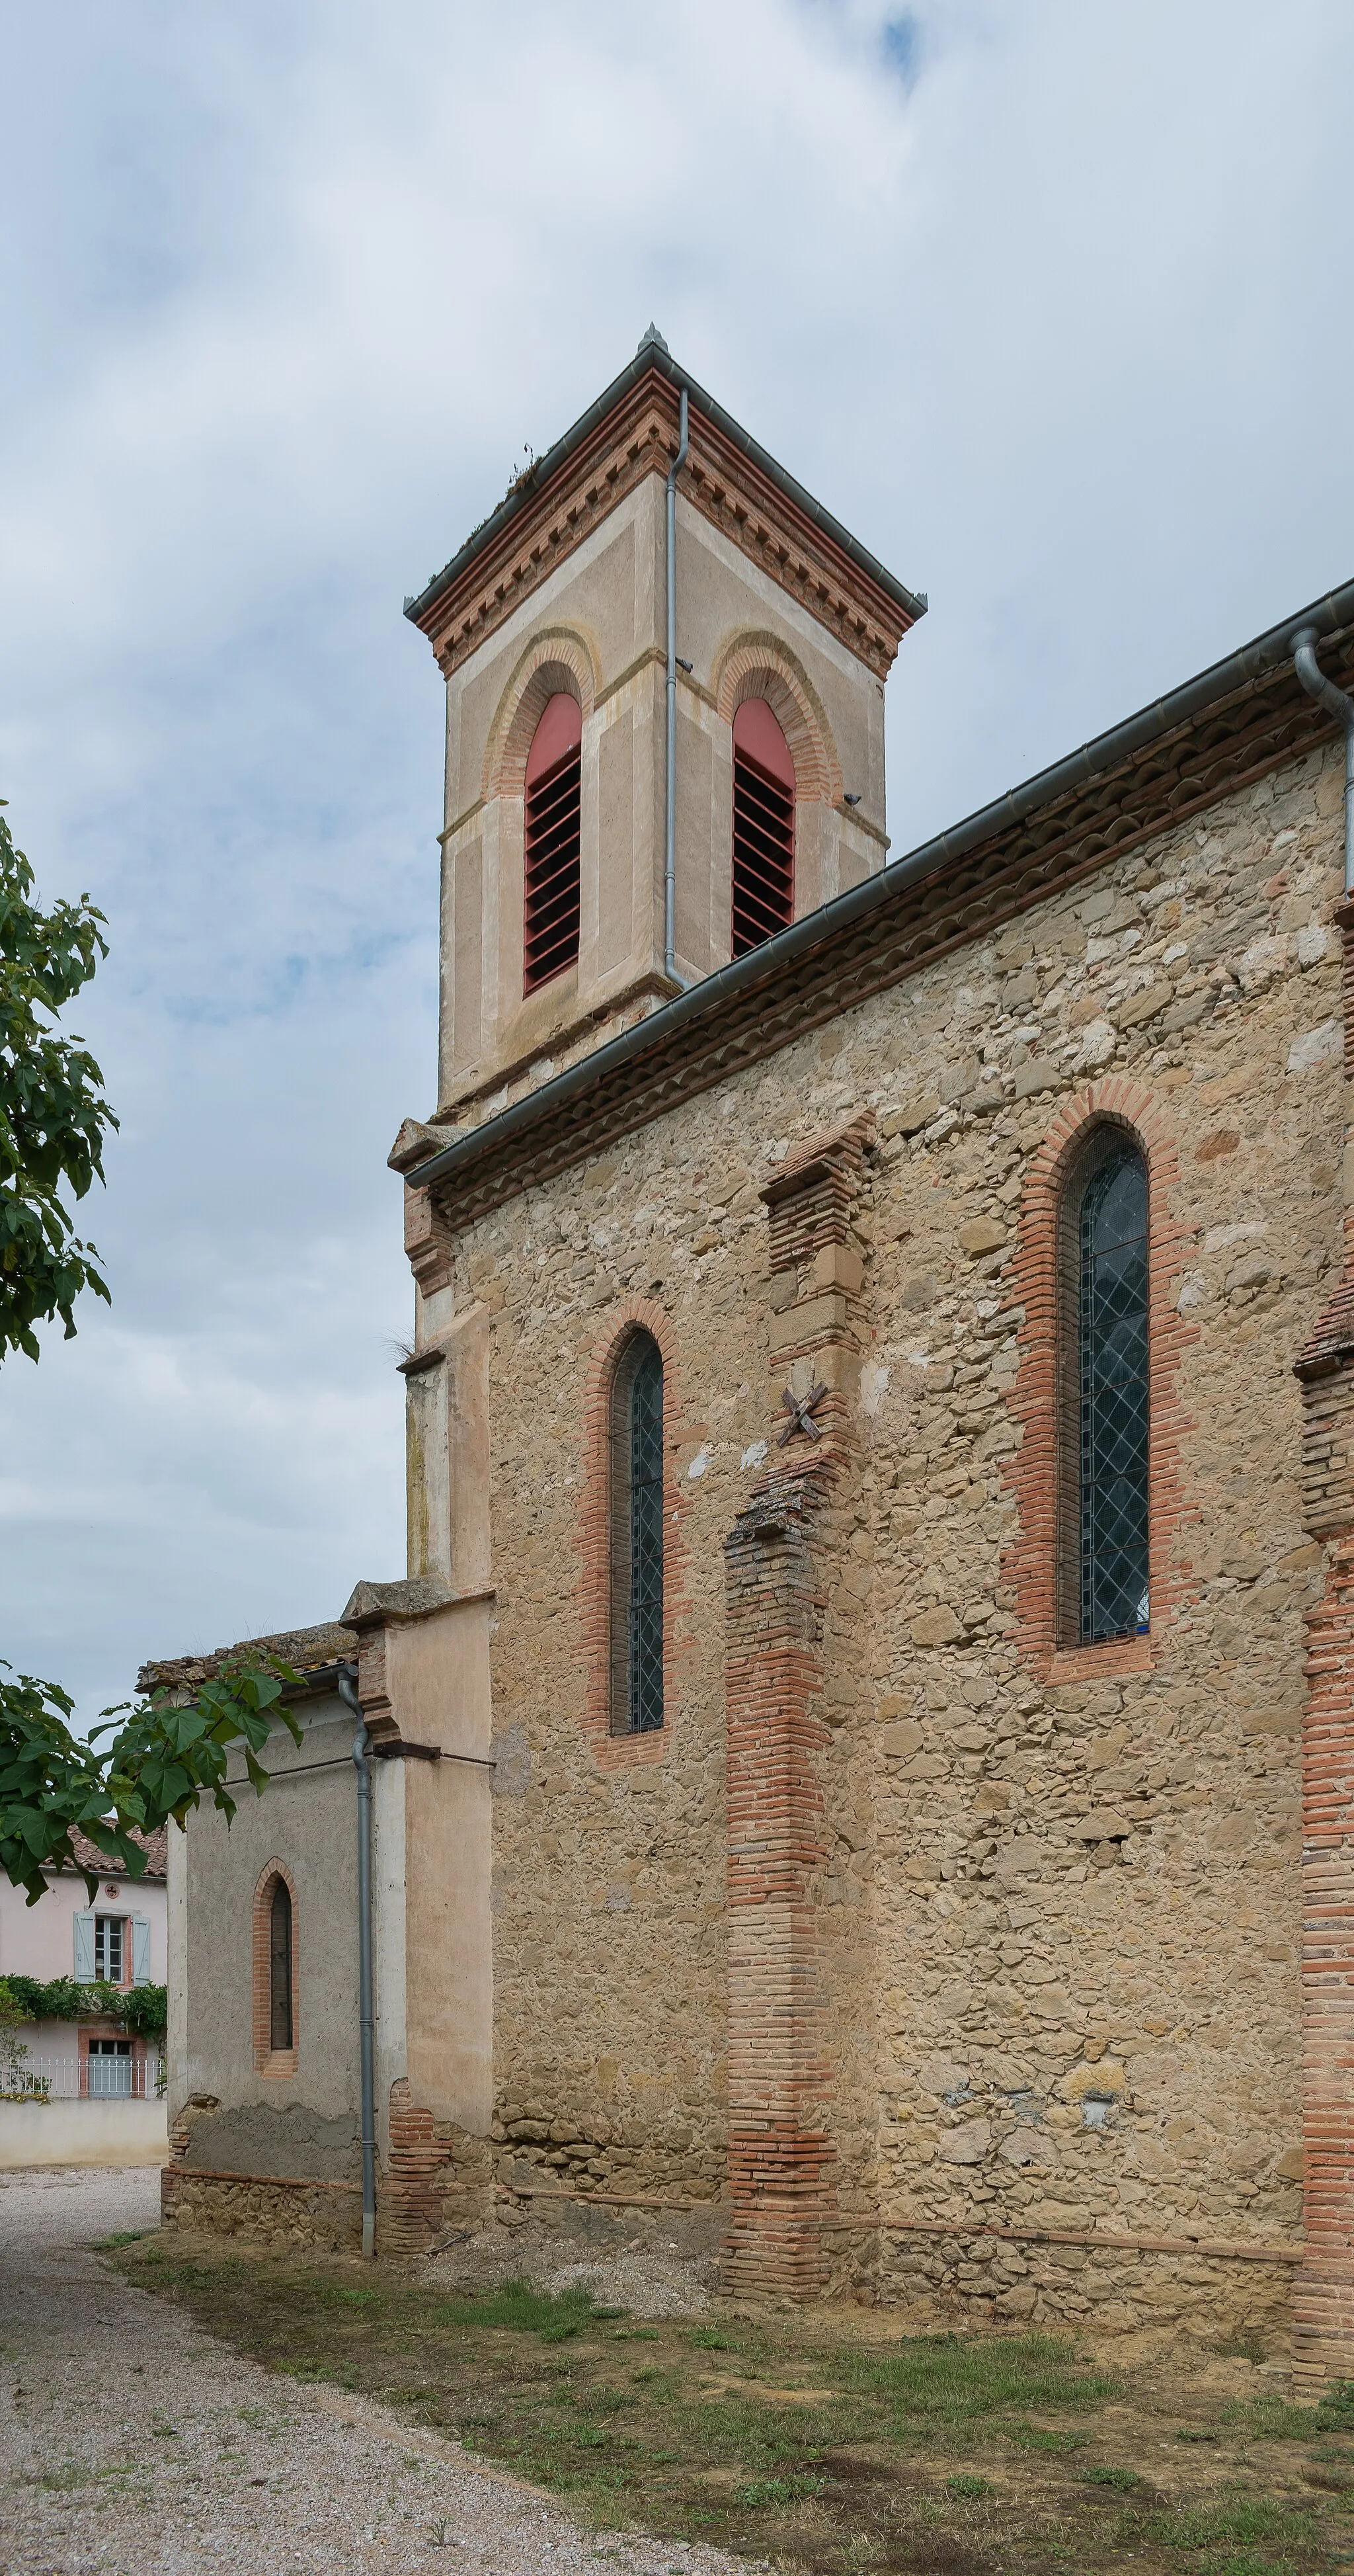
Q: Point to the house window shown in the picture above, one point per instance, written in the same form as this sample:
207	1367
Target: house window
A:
636	1433
763	827
279	1967
1109	1243
110	1948
554	787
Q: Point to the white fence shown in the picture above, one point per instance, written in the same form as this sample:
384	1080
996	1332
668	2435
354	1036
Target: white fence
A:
114	2076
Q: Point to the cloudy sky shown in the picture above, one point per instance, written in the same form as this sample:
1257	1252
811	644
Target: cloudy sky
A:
1048	302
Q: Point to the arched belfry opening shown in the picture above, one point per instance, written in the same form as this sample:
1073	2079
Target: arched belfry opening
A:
763	828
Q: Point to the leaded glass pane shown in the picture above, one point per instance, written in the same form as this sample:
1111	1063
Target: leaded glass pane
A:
646	1543
1114	1397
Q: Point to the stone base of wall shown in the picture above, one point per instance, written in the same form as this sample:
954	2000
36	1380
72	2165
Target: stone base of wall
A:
282	2213
987	2282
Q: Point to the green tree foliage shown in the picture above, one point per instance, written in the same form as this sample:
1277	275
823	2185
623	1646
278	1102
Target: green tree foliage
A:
142	2009
161	1762
53	1113
164	1757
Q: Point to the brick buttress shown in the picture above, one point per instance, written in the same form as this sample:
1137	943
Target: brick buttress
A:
780	2152
1323	2289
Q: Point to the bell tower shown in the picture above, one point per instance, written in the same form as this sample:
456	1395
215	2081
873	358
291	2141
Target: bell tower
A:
550	625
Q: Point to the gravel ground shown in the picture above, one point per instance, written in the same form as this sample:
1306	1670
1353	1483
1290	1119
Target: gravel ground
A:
133	2444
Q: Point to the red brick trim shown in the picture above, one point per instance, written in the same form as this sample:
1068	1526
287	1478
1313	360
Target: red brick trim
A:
1323	2291
557	658
267	2059
1031	1561
760	666
781	2151
623	1752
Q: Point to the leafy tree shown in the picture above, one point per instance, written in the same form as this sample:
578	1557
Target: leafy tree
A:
164	1757
53	1113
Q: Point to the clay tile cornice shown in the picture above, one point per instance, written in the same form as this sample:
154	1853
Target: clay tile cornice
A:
636	436
1230	726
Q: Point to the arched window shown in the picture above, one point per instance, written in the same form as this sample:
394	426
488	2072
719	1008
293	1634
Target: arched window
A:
636	1435
275	2034
1106	1239
279	1967
763	827
553	801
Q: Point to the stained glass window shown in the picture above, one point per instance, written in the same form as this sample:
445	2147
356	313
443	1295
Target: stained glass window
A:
279	1966
637	1539
1113	1357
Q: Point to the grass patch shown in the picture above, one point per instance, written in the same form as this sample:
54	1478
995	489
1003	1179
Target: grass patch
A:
861	2455
953	2378
122	2236
526	2310
1045	2437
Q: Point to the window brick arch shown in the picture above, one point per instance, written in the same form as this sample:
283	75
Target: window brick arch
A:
1042	1561
630	1323
268	2059
760	666
558	659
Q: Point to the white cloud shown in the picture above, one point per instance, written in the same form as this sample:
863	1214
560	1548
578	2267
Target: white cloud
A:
1046	302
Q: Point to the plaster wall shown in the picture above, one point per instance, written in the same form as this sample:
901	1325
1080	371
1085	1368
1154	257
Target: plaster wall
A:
241	2119
1032	2022
82	2133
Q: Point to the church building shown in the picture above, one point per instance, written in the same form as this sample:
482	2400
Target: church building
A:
861	1758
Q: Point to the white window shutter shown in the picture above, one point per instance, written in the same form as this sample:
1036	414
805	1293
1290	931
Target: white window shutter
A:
84	1949
140	1950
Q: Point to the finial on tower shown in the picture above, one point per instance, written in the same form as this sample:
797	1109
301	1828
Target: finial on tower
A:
653	339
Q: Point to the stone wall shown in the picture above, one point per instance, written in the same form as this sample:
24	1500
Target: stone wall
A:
1056	1909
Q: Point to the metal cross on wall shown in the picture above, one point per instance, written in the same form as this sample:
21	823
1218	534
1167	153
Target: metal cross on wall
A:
801	1414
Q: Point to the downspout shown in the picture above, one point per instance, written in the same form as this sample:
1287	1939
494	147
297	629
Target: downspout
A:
1317	686
670	834
347	1682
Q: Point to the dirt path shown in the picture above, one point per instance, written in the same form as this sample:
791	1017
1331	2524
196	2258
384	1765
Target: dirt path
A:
132	2444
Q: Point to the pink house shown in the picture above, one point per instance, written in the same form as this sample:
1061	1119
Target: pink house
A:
118	1940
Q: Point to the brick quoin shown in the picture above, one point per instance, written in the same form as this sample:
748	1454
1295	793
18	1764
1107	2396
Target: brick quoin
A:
780	2151
1323	2289
1031	1560
778	1569
409	2207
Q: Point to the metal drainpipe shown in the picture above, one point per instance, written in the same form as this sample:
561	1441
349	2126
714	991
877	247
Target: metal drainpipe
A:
1317	685
347	1682
670	837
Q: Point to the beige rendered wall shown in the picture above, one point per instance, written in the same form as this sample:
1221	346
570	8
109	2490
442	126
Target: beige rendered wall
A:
986	1965
82	2133
606	607
305	2124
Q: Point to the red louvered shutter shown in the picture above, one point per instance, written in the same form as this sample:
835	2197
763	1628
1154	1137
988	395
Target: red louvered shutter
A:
763	827
553	792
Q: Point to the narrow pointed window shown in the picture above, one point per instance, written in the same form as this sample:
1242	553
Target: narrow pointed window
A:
1110	1248
279	1966
763	827
636	1431
554	785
